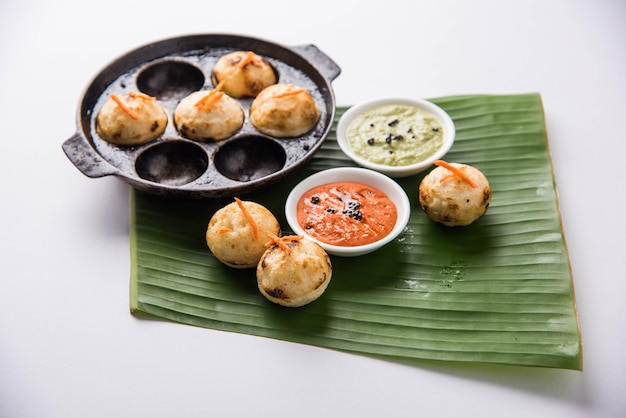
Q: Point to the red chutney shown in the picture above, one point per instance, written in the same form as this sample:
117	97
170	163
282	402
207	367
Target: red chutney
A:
346	214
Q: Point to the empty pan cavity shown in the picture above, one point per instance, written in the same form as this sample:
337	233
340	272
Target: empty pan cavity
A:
172	163
250	158
170	80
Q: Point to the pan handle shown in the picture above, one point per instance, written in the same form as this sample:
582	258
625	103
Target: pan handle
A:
85	158
322	62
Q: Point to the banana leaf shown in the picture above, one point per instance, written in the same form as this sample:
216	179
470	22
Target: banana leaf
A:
498	291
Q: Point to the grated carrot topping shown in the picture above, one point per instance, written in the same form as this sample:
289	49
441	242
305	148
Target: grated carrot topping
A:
292	238
253	224
246	60
289	93
224	230
142	96
219	86
210	99
275	240
125	108
456	172
446	177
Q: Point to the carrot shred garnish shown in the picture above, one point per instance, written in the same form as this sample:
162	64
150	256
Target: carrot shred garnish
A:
142	96
446	177
224	230
245	60
456	172
289	93
251	221
292	238
210	99
275	240
125	108
219	86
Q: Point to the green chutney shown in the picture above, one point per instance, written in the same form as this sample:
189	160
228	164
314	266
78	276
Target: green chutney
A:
395	135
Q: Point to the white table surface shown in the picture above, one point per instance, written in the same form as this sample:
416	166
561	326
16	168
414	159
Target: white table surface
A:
68	344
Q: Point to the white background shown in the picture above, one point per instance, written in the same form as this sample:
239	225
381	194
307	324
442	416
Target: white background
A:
70	348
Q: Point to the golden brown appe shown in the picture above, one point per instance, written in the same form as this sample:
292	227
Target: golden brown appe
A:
450	200
295	273
244	73
234	239
284	110
131	119
216	120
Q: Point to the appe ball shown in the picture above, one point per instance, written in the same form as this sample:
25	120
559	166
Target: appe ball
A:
294	273
131	119
244	73
237	233
216	120
284	111
455	199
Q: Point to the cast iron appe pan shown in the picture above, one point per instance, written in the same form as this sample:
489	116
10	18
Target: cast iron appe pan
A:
175	166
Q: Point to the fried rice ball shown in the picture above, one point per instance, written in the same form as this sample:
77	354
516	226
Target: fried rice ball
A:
237	233
454	199
131	119
294	273
284	111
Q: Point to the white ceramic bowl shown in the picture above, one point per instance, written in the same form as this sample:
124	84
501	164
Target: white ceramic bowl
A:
358	175
396	171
